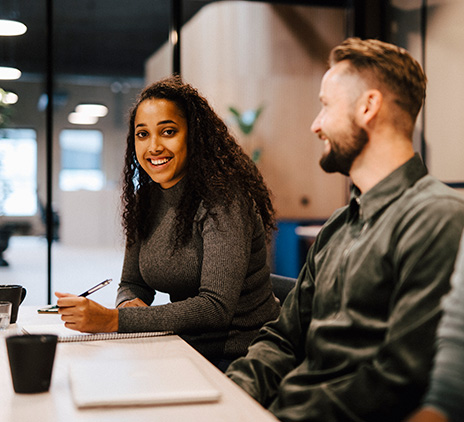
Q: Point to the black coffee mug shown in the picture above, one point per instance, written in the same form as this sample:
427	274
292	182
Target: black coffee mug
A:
15	294
31	361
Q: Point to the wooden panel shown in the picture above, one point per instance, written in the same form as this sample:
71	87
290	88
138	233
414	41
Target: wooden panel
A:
246	54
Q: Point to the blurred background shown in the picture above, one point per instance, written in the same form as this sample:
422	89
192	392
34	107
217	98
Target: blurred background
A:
70	75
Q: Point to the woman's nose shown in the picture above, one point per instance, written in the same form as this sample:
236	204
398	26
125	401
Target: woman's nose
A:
155	145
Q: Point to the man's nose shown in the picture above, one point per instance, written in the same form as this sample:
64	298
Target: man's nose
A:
316	125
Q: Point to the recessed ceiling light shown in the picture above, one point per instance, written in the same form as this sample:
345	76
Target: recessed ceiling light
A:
82	119
9	98
98	110
9	73
9	28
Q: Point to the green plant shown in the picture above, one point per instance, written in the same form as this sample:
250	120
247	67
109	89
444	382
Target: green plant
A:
246	121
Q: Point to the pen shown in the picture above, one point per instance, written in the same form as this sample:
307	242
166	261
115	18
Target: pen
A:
95	288
85	294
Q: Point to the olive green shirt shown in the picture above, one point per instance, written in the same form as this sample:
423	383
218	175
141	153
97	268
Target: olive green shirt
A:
355	338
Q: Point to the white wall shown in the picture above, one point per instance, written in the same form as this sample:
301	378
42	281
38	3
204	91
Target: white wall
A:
91	219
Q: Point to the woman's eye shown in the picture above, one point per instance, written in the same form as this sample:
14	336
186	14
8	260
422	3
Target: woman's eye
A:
141	134
169	132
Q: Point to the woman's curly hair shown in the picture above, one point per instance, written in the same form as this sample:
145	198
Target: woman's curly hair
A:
217	170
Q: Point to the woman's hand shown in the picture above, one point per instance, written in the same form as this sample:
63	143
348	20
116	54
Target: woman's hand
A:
82	314
134	303
427	415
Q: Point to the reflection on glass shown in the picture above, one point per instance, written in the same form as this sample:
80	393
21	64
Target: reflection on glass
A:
81	160
18	172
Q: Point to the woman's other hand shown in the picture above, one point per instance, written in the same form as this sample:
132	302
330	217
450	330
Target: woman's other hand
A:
427	415
85	315
134	303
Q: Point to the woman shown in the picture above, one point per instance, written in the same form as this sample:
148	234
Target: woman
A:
196	214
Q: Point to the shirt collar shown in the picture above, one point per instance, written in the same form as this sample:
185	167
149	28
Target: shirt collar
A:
388	189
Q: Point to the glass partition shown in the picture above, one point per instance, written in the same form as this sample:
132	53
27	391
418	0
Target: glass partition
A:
23	247
97	51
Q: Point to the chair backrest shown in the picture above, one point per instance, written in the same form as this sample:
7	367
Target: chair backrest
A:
281	286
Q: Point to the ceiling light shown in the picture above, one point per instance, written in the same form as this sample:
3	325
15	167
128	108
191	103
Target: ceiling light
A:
97	110
10	28
82	119
8	98
9	73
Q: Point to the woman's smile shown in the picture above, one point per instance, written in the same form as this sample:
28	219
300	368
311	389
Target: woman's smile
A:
161	141
159	161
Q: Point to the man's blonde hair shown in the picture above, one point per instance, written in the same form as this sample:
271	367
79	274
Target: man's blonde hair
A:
392	67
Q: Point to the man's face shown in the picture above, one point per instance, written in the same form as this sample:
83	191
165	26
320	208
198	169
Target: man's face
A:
335	124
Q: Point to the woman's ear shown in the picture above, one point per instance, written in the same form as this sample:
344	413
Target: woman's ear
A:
369	105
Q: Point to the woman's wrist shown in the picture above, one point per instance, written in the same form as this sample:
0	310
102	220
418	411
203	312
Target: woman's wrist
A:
112	321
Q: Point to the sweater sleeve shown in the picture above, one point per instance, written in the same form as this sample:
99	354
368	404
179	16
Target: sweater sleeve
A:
226	240
447	380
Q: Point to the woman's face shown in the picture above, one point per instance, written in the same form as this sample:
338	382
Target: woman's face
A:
161	141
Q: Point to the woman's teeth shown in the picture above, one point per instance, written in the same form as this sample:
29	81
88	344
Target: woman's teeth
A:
159	161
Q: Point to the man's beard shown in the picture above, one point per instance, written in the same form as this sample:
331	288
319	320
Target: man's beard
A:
342	154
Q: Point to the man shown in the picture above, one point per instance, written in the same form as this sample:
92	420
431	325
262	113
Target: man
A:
355	338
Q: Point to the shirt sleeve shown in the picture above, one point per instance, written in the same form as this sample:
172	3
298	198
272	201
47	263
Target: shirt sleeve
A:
447	379
279	347
227	239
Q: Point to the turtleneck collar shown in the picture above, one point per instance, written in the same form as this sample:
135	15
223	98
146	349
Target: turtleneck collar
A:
172	195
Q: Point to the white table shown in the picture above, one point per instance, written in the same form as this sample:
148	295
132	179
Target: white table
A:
57	405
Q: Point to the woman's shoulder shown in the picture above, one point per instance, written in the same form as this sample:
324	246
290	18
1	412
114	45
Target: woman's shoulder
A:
235	206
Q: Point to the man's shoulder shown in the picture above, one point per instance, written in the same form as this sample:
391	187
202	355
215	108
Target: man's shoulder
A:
431	191
429	205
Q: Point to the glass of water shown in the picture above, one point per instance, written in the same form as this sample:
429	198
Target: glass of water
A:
5	314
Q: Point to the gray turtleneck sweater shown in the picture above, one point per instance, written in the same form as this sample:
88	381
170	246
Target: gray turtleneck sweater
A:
218	283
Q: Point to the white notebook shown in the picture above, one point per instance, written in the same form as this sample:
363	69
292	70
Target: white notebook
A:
130	382
66	335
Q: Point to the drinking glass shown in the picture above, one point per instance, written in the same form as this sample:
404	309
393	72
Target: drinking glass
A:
5	315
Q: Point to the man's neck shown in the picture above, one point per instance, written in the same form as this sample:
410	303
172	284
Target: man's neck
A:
378	160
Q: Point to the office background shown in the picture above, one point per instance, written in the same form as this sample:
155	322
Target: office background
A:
245	54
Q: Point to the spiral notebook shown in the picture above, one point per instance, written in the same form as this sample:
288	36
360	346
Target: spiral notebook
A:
66	335
135	382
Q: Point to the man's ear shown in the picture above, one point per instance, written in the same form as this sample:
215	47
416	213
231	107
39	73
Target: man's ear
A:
369	105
